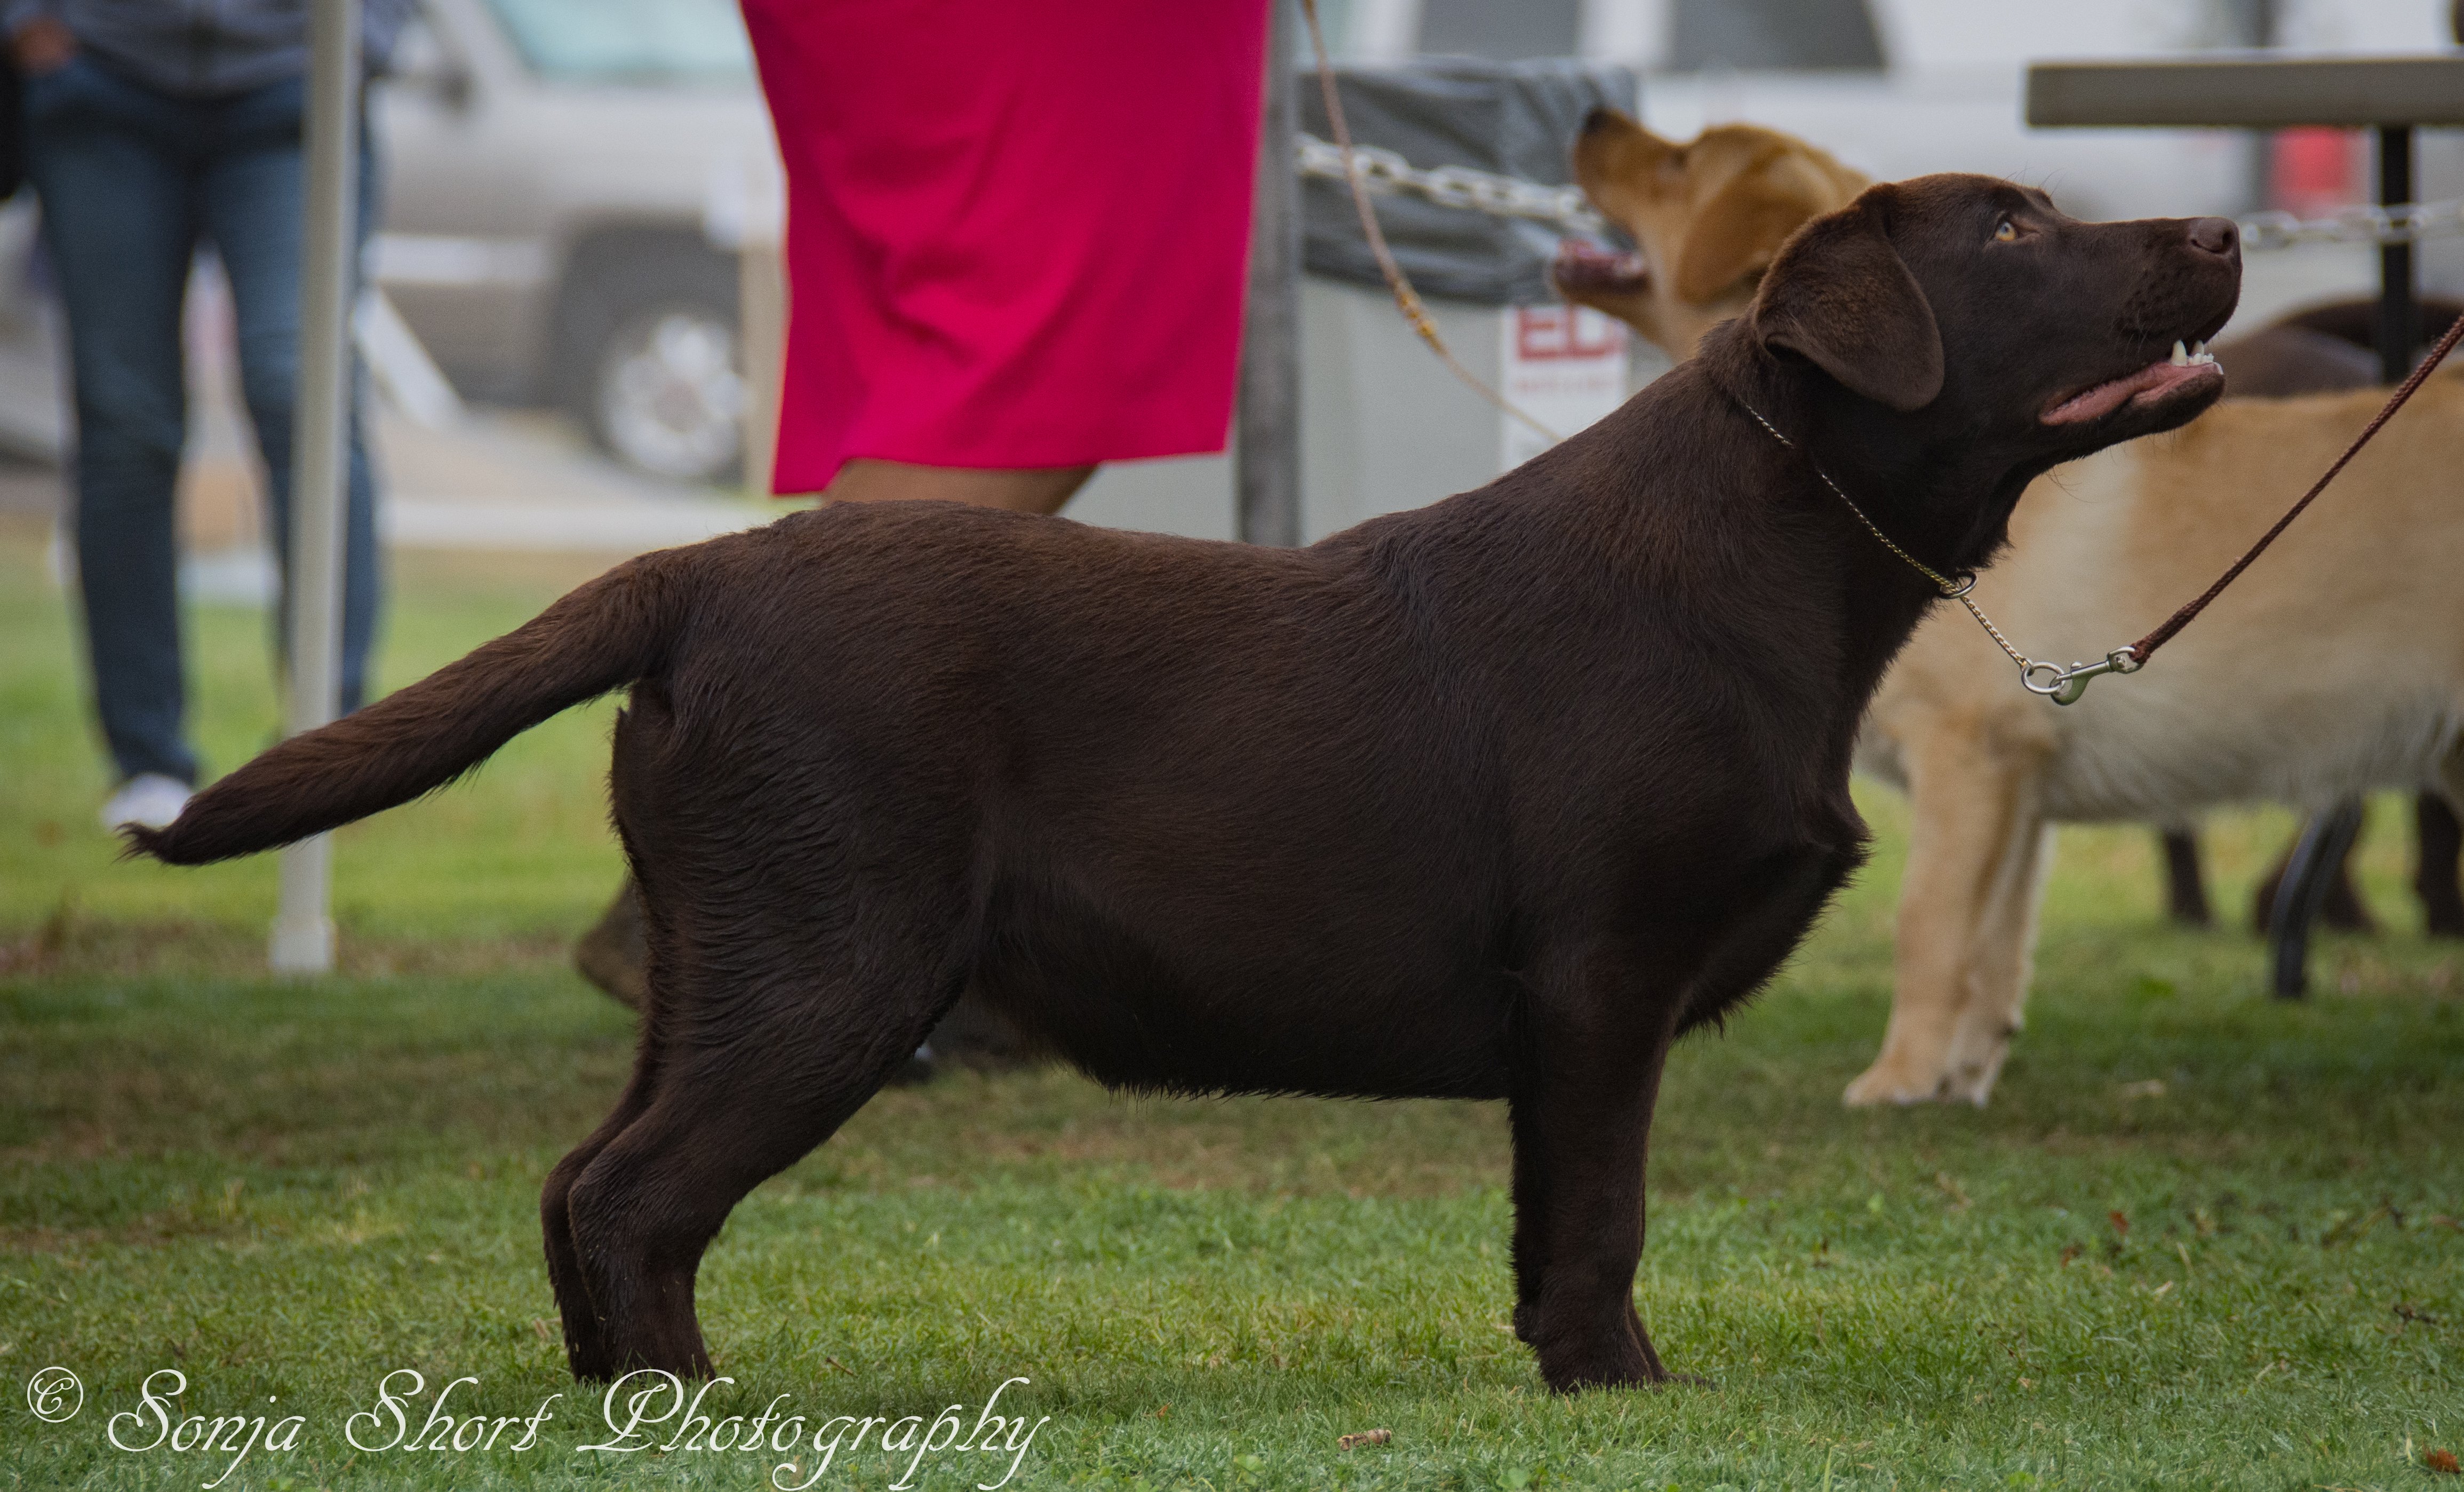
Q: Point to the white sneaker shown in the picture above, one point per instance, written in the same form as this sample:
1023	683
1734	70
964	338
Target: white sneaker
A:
148	799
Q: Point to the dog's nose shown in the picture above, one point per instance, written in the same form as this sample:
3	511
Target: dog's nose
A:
2218	235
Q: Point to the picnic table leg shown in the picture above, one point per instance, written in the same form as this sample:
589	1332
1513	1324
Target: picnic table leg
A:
2328	837
2399	317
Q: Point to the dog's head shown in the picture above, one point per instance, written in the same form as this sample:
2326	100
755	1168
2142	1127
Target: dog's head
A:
1962	327
1708	218
1975	305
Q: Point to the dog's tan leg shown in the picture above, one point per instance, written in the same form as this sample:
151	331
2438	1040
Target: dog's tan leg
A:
1968	797
2002	962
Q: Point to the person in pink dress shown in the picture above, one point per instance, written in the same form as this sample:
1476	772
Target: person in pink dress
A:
1017	237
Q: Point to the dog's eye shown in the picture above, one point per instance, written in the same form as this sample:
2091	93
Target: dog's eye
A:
2006	232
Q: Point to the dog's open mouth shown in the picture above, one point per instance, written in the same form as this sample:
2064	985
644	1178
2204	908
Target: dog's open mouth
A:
2187	367
1588	267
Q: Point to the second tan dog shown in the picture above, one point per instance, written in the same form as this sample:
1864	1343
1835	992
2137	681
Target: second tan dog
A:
2335	665
1708	215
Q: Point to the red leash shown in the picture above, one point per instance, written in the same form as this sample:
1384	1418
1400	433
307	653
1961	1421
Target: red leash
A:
2064	685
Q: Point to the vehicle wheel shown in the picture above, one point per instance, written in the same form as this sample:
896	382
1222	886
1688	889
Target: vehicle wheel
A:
657	369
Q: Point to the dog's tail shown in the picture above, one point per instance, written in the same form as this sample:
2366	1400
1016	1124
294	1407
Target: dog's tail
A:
603	635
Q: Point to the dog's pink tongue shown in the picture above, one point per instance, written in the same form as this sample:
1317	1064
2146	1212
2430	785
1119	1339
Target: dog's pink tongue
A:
1580	266
2104	398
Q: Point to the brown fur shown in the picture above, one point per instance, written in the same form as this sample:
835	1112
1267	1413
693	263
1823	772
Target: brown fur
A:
1494	799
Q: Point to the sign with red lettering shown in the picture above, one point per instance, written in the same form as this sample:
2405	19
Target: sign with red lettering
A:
1564	366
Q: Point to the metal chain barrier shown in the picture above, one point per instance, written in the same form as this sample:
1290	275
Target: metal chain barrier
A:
1407	301
1386	173
2407	222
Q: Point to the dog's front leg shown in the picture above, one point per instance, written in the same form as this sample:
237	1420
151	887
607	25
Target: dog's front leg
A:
1975	828
1589	1073
1532	1226
2002	962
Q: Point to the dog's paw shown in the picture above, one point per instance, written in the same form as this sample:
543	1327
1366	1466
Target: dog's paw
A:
1976	1062
1972	1085
1881	1084
1593	1377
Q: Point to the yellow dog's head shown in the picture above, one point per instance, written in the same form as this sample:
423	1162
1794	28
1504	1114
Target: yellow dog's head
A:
1707	217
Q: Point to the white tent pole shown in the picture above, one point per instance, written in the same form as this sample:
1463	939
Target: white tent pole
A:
303	933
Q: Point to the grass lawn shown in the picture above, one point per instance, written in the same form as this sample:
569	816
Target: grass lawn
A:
2201	1239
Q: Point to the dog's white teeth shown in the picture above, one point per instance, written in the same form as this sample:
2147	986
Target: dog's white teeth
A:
2199	348
2180	355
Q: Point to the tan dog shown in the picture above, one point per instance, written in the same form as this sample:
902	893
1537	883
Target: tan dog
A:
1707	217
2335	665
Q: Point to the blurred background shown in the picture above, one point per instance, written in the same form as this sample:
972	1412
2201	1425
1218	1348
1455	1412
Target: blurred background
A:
580	211
575	300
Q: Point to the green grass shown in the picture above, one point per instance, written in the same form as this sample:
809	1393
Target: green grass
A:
291	1189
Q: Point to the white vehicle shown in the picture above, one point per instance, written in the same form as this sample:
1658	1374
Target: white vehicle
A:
549	167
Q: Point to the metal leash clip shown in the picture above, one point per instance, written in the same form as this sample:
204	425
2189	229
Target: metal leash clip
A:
2064	685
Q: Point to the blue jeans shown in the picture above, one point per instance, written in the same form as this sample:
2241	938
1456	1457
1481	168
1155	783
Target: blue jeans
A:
132	180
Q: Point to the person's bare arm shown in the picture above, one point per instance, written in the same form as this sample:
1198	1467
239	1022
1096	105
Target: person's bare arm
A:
1039	489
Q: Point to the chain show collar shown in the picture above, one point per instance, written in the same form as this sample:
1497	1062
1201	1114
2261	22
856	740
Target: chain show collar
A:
2059	684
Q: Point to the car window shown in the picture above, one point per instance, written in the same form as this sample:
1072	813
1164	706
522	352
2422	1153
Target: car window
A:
591	40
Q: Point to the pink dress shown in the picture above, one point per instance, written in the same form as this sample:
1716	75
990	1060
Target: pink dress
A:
1016	229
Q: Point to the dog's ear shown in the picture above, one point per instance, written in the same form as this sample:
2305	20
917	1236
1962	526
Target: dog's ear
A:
1841	296
1742	227
1614	151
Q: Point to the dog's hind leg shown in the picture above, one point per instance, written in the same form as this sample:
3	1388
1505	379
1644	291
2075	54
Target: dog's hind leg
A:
1972	816
2434	876
2438	840
721	1119
762	1040
1531	1240
2186	881
586	1349
2002	962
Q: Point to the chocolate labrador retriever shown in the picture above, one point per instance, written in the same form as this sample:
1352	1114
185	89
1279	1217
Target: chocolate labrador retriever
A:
1491	799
